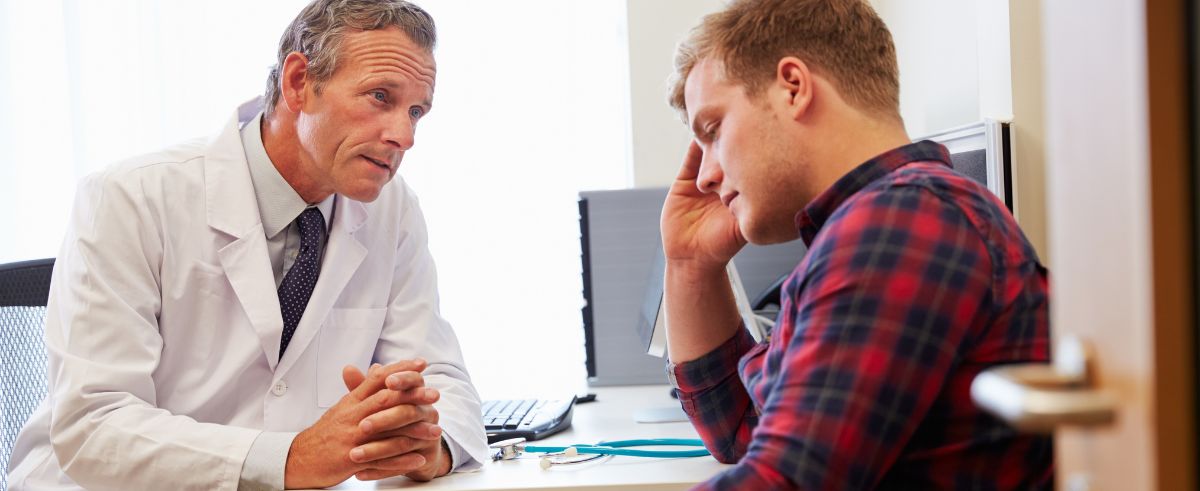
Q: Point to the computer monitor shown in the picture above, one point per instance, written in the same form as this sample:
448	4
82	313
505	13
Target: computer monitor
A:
982	152
621	259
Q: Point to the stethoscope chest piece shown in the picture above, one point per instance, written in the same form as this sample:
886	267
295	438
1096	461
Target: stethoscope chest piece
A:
507	449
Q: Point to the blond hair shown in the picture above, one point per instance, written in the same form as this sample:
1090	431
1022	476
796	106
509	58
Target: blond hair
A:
844	41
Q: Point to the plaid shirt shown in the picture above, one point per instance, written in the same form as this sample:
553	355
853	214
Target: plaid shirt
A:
917	278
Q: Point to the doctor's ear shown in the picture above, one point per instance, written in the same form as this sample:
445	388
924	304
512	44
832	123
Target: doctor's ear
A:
293	79
793	76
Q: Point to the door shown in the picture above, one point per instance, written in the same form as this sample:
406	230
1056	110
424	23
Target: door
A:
1120	213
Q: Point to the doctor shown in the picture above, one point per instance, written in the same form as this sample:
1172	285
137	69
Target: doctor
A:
215	305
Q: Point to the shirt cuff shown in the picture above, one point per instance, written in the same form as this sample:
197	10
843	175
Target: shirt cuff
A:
714	367
460	460
265	464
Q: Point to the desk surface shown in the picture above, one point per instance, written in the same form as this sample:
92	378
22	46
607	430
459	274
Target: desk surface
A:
609	418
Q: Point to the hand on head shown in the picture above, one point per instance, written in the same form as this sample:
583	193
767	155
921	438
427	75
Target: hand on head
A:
697	228
384	427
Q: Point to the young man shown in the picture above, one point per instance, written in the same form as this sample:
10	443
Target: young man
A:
916	278
213	304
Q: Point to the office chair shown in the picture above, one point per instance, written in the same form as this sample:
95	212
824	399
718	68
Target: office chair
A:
24	287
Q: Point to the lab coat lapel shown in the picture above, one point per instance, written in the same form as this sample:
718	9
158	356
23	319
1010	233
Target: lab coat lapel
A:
249	271
233	210
343	254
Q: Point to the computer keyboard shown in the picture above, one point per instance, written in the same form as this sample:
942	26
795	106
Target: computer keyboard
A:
531	419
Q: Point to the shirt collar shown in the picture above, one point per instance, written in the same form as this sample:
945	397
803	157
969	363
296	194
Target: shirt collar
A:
810	219
278	203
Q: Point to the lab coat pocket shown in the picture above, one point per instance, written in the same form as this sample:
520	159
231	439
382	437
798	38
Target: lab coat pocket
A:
348	337
211	280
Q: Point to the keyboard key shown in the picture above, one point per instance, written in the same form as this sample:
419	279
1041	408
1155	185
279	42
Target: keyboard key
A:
524	408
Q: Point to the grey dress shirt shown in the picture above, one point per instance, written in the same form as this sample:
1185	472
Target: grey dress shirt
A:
279	205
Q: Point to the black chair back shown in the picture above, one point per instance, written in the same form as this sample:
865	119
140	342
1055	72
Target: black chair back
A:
24	287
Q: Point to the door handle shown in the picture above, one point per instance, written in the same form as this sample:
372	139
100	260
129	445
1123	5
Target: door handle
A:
1037	397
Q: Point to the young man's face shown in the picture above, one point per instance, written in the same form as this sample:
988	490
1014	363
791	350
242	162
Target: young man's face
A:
750	159
354	133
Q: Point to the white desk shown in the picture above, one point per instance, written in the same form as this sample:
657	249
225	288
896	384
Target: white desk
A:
609	418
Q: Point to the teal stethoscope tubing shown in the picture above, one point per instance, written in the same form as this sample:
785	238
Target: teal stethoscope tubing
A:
619	447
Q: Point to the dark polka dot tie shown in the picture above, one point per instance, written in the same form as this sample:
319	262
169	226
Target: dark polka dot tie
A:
297	285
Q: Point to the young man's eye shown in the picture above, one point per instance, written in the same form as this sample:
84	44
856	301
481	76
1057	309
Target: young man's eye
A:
416	112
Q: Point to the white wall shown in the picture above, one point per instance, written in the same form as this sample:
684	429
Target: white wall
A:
954	62
993	25
659	137
84	84
963	61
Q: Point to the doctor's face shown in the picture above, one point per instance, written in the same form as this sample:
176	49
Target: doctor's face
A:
354	132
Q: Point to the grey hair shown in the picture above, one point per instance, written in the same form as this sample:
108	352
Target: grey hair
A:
318	30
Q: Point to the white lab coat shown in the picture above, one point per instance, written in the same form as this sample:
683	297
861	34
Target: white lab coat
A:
163	326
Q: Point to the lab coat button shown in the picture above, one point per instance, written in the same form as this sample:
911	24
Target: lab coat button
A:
280	388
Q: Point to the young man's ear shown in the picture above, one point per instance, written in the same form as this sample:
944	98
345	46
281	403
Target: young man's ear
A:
793	76
293	79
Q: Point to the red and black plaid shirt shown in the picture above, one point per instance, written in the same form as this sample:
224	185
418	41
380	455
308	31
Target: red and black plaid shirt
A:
916	279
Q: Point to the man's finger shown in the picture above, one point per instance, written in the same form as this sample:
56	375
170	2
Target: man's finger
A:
352	376
384	449
417	396
421	430
404	380
375	377
399	462
396	417
403	465
385	398
691	163
422	395
392	467
377	475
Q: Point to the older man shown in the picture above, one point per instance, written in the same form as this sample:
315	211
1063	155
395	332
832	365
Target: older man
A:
916	278
214	304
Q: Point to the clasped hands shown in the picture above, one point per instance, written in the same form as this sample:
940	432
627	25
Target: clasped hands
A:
384	427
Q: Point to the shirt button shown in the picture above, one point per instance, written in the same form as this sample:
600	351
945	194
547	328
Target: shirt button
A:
280	388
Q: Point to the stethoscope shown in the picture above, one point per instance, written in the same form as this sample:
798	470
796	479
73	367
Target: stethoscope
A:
514	447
